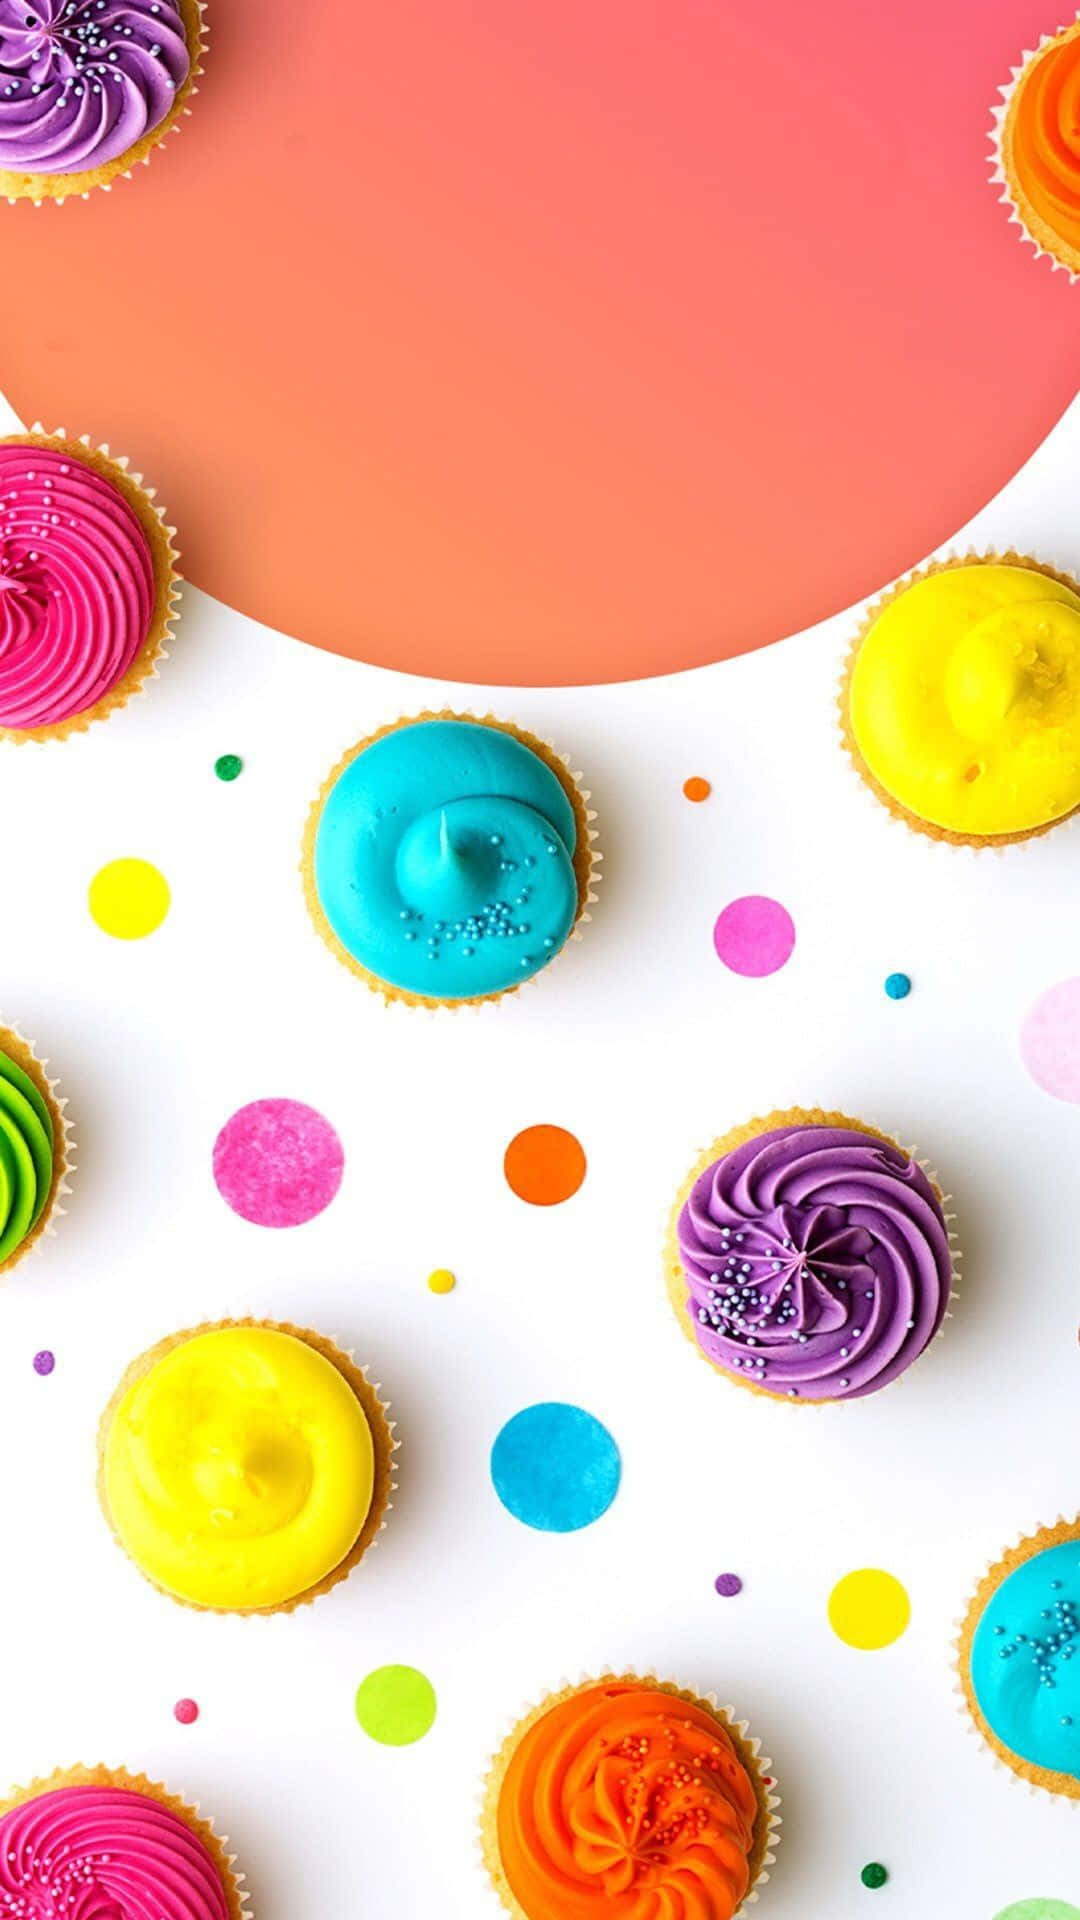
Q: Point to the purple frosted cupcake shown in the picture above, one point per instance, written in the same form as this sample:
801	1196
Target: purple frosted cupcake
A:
810	1257
89	87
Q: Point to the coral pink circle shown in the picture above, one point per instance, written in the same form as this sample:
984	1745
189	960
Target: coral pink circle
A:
278	1163
754	935
1050	1040
187	1712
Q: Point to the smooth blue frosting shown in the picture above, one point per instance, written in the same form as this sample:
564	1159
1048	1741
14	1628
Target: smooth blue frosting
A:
444	859
1025	1660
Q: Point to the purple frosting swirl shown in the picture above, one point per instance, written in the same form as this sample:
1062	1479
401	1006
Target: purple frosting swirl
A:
81	81
818	1262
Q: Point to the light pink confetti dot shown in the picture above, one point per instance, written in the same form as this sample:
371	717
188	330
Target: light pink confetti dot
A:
278	1163
754	935
1050	1040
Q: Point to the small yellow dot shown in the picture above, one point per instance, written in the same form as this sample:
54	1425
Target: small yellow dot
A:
442	1280
129	898
869	1609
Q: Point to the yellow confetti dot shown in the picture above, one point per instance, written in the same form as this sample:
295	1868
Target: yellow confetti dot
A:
442	1280
869	1608
129	898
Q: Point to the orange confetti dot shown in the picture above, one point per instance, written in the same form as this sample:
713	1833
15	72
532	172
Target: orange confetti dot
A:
544	1165
696	788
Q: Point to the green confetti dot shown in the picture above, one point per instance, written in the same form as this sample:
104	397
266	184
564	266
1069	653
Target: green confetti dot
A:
1040	1910
228	765
395	1705
873	1875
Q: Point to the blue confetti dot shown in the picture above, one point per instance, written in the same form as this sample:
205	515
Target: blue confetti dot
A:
554	1467
898	986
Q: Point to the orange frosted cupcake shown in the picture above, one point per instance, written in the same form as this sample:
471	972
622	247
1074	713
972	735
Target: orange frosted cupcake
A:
1037	141
629	1797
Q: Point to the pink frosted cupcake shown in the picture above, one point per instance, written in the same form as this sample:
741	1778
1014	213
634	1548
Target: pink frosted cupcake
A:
87	585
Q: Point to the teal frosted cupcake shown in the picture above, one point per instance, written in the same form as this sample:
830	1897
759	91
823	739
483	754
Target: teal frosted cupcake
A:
448	860
1019	1657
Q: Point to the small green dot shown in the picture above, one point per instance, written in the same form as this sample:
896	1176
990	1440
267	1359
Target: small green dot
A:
228	765
873	1875
396	1705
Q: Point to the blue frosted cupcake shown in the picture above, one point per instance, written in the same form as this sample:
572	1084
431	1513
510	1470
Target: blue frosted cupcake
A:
1019	1654
448	860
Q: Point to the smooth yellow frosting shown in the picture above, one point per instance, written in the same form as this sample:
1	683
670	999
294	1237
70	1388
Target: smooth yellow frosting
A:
239	1469
965	699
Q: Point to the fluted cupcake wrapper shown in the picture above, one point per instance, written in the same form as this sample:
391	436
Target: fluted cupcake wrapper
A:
1062	257
587	858
160	536
217	1846
896	809
674	1272
1060	1786
747	1747
383	1434
25	1055
53	189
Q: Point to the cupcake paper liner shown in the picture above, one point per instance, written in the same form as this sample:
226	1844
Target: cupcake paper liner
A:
160	536
21	1050
674	1274
217	1845
587	857
54	188
944	835
1060	1786
383	1434
747	1747
1033	228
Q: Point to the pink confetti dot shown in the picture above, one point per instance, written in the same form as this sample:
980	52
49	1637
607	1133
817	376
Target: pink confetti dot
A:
754	935
186	1711
278	1163
1050	1040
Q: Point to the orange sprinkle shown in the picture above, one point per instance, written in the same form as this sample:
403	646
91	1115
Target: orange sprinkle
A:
544	1165
696	788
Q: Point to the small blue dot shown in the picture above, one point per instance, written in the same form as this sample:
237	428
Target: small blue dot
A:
898	986
555	1468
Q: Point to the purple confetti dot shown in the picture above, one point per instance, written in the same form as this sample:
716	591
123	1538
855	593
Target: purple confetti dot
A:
44	1362
728	1584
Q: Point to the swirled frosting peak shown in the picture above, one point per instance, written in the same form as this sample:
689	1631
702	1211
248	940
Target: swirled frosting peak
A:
444	859
817	1261
626	1800
104	1853
81	81
77	588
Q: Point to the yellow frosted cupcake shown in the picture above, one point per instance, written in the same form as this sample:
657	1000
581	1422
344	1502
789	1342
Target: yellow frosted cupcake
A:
245	1467
100	1840
961	699
630	1797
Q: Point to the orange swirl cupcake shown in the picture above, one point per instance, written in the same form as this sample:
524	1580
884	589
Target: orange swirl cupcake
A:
632	1796
1038	146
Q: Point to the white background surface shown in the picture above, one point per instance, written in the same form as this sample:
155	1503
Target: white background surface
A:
646	1047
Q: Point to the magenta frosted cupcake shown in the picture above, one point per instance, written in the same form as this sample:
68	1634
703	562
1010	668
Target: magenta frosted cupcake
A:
87	585
89	87
810	1257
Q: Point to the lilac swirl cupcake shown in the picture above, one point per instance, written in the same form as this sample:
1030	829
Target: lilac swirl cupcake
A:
810	1257
89	87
